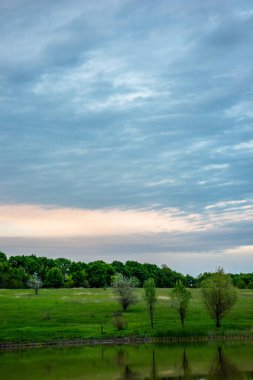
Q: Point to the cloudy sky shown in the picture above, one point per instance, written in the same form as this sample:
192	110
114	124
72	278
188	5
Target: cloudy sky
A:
126	131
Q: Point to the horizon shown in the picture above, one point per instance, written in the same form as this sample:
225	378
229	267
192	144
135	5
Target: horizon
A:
126	132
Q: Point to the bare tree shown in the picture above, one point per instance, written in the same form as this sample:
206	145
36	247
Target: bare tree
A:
34	282
124	289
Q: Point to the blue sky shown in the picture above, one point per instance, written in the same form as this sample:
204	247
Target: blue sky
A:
126	131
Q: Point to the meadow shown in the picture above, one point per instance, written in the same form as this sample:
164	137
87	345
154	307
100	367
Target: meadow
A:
80	314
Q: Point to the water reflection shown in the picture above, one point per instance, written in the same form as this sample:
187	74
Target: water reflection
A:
223	368
120	359
129	374
140	362
185	368
154	374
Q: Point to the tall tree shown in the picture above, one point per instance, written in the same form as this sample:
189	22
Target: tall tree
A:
180	300
150	297
219	295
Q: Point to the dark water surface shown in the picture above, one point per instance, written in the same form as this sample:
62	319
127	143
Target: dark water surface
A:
213	361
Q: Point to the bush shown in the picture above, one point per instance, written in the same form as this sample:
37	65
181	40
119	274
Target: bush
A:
119	321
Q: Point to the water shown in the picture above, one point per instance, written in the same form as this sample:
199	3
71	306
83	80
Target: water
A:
233	361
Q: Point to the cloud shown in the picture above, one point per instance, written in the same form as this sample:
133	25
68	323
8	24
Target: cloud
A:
216	166
240	111
37	221
163	181
101	82
246	146
46	222
228	204
118	105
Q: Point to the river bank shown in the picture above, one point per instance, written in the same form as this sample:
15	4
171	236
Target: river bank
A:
124	341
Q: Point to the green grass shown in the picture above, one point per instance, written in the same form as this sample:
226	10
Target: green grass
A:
71	314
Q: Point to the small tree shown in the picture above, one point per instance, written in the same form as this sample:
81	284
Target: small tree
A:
34	282
124	289
150	297
180	300
219	295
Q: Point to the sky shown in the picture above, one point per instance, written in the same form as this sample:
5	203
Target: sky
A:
126	131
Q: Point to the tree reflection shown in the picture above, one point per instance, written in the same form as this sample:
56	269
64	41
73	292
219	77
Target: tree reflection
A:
186	371
185	366
120	359
129	374
154	375
223	369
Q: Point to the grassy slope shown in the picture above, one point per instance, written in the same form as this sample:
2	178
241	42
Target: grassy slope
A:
66	314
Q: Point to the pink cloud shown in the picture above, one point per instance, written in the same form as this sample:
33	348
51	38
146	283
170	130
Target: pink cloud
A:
38	221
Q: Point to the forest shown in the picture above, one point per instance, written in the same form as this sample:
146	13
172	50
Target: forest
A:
16	271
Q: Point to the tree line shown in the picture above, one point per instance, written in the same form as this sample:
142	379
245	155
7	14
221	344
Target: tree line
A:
19	271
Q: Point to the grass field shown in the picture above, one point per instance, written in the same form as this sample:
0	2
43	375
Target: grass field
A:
71	314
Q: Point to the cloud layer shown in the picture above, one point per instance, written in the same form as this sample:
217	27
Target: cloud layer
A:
126	111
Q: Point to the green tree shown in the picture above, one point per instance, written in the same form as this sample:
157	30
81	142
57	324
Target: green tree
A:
124	289
68	281
120	267
34	282
180	300
54	278
150	297
137	270
171	277
156	273
79	279
16	278
3	257
219	295
4	274
63	264
99	274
